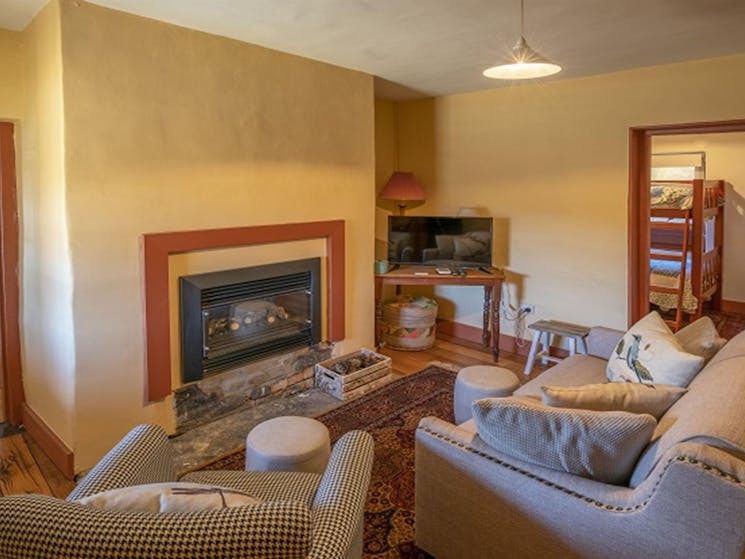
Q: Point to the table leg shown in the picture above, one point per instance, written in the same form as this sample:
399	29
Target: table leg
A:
533	350
495	324
486	315
378	312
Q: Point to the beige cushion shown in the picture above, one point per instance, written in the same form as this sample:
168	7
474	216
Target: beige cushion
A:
599	445
701	338
633	397
649	352
169	497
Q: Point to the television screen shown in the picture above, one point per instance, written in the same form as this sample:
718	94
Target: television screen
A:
440	241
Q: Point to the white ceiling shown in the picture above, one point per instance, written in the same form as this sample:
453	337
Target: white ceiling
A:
439	47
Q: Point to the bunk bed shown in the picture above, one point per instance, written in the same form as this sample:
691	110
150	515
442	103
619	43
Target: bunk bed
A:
685	255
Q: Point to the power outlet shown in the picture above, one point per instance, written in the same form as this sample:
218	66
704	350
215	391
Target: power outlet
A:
526	309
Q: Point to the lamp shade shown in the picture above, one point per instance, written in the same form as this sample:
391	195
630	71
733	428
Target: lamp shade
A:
525	64
404	187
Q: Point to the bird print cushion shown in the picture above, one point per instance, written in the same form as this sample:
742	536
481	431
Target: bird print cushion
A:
650	353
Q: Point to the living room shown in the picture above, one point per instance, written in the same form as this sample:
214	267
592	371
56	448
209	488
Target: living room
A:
127	126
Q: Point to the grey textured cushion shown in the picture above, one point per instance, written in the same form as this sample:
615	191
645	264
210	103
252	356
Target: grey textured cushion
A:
632	397
599	445
700	337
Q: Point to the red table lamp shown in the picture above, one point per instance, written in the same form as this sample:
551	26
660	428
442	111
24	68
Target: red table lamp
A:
403	187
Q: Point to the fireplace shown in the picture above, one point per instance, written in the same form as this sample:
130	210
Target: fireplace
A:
232	317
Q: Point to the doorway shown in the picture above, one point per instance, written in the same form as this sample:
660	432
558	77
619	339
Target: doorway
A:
686	138
10	345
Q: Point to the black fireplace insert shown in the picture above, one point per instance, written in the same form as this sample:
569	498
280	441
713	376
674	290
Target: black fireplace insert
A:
232	317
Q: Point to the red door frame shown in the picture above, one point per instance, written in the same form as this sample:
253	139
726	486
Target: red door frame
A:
640	161
10	340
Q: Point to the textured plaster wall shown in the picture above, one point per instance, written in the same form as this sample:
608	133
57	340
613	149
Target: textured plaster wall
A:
11	76
725	159
170	129
47	323
550	162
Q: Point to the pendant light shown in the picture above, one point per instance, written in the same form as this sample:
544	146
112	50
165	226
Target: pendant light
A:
526	63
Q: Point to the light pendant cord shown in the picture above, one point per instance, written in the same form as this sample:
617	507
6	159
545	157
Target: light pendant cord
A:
522	18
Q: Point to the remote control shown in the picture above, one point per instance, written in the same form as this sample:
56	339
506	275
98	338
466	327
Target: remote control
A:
444	271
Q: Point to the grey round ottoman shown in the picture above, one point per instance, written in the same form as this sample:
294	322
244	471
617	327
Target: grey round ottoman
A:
288	444
480	381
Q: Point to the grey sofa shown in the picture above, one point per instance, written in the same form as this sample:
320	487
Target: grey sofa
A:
303	515
686	497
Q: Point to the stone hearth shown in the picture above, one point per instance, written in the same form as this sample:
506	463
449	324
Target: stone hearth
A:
244	388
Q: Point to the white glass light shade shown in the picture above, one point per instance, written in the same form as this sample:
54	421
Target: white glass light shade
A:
526	64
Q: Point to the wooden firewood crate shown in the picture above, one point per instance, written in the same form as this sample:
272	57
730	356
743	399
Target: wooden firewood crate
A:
351	384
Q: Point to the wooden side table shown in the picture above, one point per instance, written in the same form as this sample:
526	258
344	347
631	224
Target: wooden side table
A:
543	330
424	275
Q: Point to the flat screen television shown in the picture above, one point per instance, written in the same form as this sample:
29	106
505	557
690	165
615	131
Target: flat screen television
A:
440	241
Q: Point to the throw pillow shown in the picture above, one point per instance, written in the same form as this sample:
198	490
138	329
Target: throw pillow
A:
603	446
701	338
633	397
169	497
649	352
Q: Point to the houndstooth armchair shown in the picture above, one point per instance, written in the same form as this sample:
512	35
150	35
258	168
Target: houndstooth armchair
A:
302	515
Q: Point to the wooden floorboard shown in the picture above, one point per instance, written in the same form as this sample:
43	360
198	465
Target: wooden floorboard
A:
19	471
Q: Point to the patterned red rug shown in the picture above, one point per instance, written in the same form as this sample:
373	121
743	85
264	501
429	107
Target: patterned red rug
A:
391	415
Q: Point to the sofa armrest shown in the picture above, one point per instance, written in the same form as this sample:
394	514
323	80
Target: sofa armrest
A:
339	503
601	341
144	455
687	509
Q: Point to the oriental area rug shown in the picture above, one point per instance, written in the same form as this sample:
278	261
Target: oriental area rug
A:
391	415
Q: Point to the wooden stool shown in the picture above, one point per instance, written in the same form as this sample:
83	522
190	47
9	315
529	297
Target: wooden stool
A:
544	329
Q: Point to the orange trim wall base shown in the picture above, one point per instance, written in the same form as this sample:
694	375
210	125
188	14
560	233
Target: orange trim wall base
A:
471	335
733	306
49	442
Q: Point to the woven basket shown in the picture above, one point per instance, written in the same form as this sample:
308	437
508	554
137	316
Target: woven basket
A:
409	323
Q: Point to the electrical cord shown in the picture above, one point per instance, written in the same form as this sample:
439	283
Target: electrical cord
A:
517	316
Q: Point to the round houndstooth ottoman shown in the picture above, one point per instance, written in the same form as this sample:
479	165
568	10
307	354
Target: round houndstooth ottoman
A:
481	381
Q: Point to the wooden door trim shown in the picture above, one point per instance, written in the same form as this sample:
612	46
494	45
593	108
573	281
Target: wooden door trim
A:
640	154
10	339
157	247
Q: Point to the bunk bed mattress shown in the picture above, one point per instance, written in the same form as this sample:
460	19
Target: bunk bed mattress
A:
671	196
664	273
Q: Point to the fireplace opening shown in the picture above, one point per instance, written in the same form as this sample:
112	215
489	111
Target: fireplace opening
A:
232	317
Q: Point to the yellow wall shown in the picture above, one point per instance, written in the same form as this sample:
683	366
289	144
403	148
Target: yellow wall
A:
550	160
11	76
725	159
168	129
48	356
385	164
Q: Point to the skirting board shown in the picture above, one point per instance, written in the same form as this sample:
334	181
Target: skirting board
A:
49	442
733	306
472	335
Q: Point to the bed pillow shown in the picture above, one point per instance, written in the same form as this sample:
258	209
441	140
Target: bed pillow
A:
169	497
633	397
701	338
600	445
650	353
